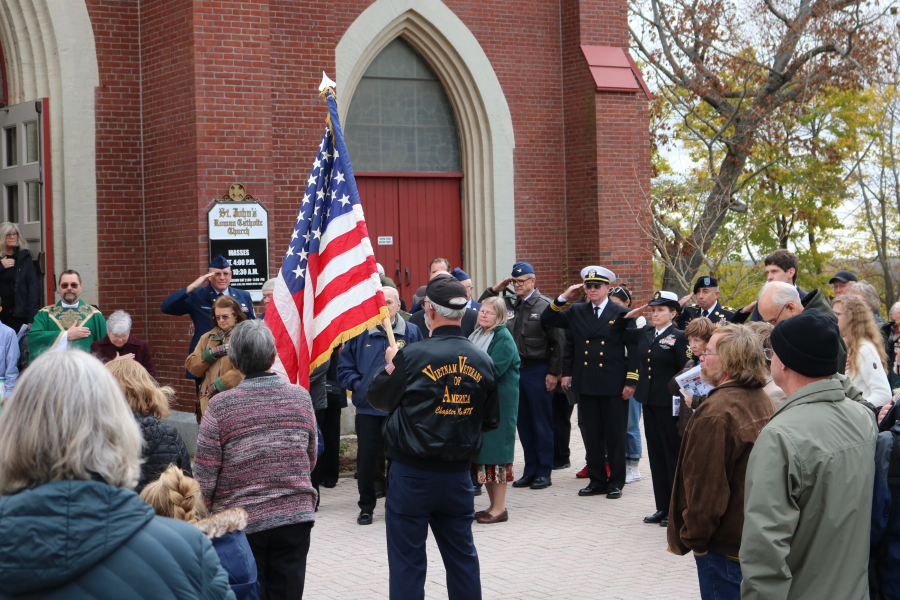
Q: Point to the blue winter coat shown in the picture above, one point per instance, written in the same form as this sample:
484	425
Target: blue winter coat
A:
363	356
198	304
226	530
86	540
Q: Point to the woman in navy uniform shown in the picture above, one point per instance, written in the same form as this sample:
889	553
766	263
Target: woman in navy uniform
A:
662	352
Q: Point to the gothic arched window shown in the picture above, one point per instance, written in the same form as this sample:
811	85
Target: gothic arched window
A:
400	119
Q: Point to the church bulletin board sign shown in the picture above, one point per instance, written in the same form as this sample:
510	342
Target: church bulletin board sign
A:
239	231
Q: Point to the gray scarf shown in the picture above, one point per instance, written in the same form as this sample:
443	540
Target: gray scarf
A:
481	338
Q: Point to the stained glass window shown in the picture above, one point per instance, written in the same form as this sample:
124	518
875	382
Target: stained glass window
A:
400	119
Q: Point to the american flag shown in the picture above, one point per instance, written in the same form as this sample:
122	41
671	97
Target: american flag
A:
328	289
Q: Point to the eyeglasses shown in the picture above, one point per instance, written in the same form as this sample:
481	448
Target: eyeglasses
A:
775	320
593	286
769	353
708	353
521	281
65	286
224	317
12	234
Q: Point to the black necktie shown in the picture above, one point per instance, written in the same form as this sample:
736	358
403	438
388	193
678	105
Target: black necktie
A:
704	313
596	312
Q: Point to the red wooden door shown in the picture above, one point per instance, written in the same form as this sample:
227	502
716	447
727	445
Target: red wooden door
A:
378	196
431	222
421	217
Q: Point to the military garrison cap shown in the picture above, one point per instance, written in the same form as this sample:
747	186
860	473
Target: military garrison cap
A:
219	262
522	268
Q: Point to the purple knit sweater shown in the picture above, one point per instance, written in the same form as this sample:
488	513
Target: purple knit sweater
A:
256	450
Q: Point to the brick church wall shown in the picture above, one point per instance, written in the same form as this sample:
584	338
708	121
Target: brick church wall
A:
196	95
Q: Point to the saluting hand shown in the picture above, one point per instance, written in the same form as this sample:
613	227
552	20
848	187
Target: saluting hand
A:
573	292
199	281
502	285
637	312
749	308
685	300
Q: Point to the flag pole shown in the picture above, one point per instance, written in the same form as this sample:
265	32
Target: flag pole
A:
390	330
326	86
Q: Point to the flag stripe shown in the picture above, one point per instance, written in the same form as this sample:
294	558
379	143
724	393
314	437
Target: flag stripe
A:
327	288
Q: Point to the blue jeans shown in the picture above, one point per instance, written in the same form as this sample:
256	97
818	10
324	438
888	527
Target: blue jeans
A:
720	577
633	435
445	502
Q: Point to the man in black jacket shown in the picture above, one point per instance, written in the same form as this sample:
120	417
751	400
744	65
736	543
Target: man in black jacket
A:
540	348
440	395
602	374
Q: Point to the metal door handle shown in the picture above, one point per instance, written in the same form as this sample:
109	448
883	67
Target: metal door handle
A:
407	276
399	277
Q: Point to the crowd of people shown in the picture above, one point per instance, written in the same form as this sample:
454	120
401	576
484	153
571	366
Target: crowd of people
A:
762	426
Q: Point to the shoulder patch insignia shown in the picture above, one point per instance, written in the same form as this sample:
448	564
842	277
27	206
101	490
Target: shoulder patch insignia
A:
510	314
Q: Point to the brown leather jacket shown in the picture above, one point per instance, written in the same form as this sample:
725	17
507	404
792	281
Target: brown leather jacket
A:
221	368
707	510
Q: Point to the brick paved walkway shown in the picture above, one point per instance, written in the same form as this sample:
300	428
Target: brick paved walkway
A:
555	545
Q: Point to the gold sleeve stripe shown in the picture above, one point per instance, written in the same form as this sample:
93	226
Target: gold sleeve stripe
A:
555	306
632	375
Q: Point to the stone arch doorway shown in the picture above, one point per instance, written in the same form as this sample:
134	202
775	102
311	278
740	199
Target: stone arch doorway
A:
49	52
485	124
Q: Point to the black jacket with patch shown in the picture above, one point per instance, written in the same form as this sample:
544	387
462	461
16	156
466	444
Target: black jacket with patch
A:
441	395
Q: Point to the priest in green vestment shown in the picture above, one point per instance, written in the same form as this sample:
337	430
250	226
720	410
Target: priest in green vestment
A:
69	323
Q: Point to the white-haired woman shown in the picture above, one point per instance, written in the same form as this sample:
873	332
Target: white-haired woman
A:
71	454
120	344
493	465
19	293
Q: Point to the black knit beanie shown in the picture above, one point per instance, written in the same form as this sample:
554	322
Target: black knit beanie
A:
807	344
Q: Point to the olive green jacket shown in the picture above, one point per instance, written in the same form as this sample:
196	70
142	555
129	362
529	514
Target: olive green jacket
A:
808	499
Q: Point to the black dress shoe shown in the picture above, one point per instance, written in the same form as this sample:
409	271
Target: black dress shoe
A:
590	491
664	522
364	518
614	493
477	490
655	517
558	466
540	483
329	483
523	482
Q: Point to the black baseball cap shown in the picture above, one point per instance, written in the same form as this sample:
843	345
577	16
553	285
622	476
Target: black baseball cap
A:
844	276
445	290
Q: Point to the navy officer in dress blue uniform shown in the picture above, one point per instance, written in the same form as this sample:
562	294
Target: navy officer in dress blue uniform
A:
440	395
663	351
707	292
196	300
603	374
